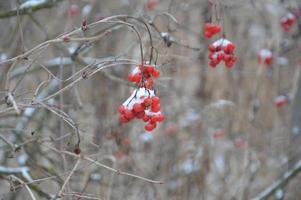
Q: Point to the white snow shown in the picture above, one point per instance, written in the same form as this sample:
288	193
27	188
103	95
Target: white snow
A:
221	42
146	137
282	61
265	53
31	3
288	16
221	103
138	96
86	10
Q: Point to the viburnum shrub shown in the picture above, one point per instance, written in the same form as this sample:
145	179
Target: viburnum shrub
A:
288	21
222	50
211	29
265	56
143	103
281	101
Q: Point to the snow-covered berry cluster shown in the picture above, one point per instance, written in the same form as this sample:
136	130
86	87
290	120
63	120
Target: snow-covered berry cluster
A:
211	29
281	101
265	56
143	103
288	21
146	72
222	49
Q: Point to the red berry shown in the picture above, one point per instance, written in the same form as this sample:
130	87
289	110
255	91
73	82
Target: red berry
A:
156	73
77	150
149	127
128	114
269	60
146	118
147	102
73	10
155	108
281	101
138	107
218	133
211	29
207	34
140	115
137	78
119	155
160	117
121	109
212	64
126	142
155	100
149	83
131	77
211	48
148	69
151	4
123	119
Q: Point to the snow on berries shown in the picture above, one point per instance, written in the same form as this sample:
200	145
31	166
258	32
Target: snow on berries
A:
146	71
222	50
211	29
143	103
265	56
281	101
287	22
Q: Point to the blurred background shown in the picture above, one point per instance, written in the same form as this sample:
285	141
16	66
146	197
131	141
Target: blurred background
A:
227	134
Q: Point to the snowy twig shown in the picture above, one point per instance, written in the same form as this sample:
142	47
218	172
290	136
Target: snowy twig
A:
24	10
279	183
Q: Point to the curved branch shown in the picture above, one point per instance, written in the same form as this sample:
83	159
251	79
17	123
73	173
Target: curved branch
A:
28	9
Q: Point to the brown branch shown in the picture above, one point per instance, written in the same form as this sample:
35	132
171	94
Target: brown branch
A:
104	166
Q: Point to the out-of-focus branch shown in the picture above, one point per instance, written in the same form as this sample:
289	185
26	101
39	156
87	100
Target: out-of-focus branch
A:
28	9
68	177
83	157
26	186
284	180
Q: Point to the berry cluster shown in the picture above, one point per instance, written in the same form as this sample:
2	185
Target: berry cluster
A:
142	104
151	4
222	49
265	56
281	101
146	72
287	21
211	29
218	133
73	10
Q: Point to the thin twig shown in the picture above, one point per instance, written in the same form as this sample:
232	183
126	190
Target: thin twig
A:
26	186
105	166
68	177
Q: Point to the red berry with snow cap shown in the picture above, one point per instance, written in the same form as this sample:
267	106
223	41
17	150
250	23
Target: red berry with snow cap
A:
222	50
